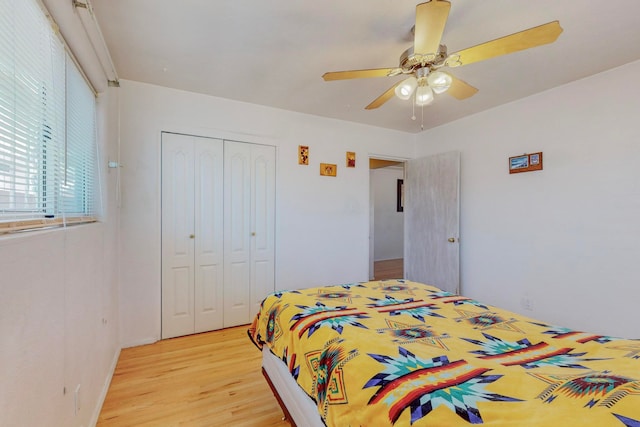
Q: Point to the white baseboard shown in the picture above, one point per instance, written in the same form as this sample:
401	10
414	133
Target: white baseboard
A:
105	389
137	343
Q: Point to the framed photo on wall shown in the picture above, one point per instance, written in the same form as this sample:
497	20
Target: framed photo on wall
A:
351	159
525	163
303	154
328	169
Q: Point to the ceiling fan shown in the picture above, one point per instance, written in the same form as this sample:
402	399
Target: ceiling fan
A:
423	61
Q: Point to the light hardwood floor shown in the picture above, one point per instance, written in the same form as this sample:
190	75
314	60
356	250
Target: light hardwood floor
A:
388	269
209	379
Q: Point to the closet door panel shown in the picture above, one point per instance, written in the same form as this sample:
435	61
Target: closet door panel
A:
237	237
262	223
209	234
181	298
177	228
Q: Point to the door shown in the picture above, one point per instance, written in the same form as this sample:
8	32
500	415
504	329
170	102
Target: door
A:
218	232
192	234
263	188
209	234
249	229
431	209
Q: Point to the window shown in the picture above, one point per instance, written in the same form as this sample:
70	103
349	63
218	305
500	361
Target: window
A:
79	179
47	125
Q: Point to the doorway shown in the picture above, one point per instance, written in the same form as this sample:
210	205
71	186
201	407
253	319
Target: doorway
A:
386	218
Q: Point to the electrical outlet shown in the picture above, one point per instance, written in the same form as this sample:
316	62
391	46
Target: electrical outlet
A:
77	399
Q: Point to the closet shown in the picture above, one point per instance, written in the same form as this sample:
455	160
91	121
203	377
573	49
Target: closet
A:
218	232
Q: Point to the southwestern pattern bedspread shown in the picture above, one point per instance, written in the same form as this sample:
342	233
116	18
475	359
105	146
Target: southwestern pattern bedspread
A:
403	353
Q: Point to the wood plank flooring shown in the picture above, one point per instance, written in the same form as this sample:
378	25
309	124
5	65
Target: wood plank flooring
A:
388	269
209	379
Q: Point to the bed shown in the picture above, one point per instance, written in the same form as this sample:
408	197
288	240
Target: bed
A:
400	353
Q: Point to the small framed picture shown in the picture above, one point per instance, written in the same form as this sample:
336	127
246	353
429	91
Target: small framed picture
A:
525	163
351	159
303	154
534	159
519	162
328	169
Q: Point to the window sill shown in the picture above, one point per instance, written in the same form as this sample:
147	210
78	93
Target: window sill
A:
10	227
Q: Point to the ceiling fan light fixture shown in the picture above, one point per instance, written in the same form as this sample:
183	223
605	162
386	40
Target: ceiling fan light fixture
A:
424	96
405	89
439	81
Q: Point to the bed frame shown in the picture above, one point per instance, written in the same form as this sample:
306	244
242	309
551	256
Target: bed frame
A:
298	408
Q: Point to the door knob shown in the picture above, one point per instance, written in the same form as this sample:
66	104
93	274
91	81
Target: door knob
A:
253	233
451	239
192	236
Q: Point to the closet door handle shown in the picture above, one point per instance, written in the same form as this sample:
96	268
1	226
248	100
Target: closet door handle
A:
192	236
253	233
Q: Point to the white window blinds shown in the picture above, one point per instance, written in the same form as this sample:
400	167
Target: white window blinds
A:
47	122
80	162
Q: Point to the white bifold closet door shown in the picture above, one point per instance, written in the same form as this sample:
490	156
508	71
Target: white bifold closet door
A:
192	234
218	202
249	205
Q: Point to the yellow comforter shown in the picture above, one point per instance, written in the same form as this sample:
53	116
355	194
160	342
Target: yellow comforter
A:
403	353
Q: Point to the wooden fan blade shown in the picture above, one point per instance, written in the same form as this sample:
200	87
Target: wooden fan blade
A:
460	89
358	74
431	17
536	36
383	98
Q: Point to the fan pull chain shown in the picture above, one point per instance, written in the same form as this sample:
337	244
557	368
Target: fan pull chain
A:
413	110
413	106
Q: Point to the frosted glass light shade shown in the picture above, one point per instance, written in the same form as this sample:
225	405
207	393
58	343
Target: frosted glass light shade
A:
405	89
439	81
424	95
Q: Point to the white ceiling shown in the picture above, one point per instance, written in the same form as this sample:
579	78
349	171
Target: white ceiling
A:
275	52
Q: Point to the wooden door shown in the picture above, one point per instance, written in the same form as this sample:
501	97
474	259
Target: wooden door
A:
431	211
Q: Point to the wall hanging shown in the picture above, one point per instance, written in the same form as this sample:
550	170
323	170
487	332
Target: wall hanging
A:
525	163
351	159
327	169
303	154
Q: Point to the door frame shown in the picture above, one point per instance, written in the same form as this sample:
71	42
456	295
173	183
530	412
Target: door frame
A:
370	217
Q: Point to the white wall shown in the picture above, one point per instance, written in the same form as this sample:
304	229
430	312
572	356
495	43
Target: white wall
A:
322	223
59	313
567	237
388	222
